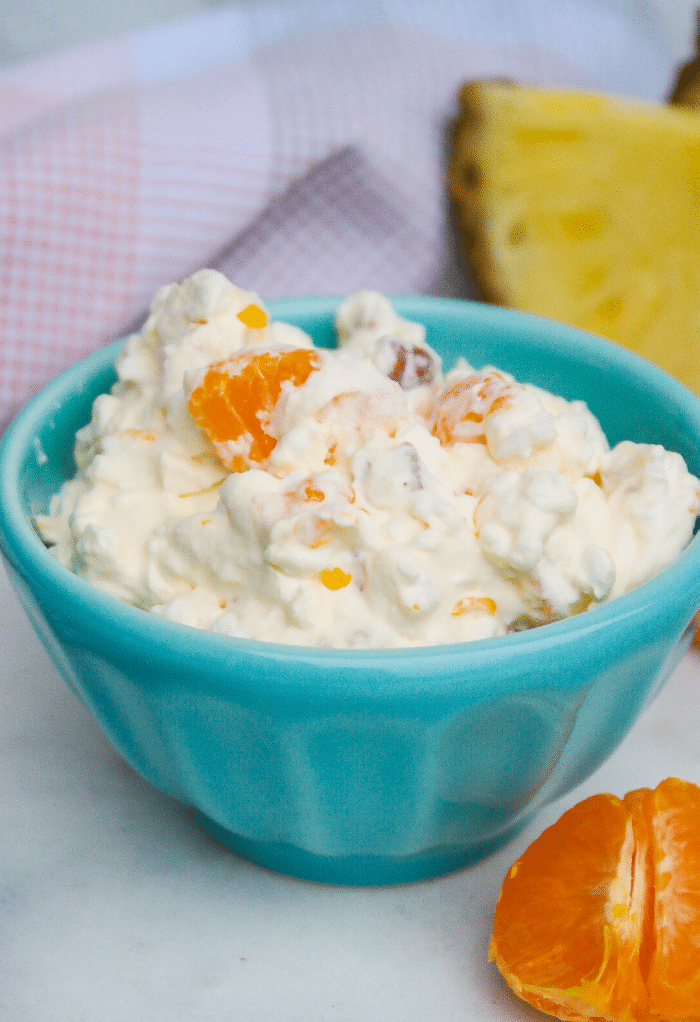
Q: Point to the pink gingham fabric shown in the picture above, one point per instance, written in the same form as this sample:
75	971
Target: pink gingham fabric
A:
299	146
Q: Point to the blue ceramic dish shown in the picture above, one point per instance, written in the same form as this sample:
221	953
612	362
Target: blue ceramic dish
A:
365	767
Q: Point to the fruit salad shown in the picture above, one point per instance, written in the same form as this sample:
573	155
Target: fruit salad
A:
239	479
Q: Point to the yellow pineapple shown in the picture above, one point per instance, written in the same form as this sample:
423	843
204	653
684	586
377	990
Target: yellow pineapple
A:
585	208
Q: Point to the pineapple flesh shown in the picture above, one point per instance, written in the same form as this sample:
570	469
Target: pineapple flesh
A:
585	208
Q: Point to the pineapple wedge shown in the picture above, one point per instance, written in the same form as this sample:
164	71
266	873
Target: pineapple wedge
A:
585	208
686	88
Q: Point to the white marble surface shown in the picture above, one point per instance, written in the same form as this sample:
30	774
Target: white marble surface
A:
116	907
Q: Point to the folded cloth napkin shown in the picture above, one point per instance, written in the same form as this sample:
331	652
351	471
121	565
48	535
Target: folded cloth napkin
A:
300	146
339	228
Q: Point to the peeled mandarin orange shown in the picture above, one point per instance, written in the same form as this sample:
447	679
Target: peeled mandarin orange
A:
253	316
461	409
234	401
474	603
674	973
599	920
335	578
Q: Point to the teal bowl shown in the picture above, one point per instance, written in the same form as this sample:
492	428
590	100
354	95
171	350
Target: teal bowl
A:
372	766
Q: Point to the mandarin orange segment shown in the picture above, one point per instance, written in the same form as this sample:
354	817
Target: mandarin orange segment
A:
253	316
311	493
674	974
235	401
563	924
335	578
468	604
599	920
460	410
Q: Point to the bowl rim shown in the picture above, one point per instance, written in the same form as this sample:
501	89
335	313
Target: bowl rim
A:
22	546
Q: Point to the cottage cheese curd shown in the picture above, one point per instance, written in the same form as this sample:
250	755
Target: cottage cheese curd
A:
240	480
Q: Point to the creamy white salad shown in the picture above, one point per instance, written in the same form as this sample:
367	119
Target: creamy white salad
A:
239	479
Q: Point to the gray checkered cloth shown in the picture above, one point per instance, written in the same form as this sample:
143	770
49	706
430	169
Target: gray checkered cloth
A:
335	230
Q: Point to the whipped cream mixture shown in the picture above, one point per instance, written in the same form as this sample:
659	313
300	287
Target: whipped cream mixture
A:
241	480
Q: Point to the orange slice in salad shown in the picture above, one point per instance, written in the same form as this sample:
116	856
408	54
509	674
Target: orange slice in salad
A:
253	316
335	578
461	409
234	401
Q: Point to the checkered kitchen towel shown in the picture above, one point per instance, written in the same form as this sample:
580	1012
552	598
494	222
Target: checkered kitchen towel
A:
337	229
300	146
